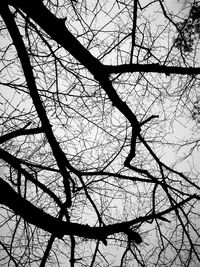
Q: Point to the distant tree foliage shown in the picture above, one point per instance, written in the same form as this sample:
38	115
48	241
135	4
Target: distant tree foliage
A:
189	29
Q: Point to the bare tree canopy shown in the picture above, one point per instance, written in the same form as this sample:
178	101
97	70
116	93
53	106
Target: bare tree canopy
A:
99	143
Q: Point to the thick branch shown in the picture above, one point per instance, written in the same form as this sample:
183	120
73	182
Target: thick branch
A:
30	79
151	68
37	217
56	28
41	15
19	132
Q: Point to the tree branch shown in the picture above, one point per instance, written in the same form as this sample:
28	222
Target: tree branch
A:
156	68
30	79
16	164
20	132
134	29
59	228
56	28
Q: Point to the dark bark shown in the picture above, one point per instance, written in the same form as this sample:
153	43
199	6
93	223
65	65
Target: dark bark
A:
153	68
58	228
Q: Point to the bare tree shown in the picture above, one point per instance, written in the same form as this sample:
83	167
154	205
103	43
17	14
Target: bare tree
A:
99	143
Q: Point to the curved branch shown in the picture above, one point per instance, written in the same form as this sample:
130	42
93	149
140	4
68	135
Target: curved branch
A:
59	228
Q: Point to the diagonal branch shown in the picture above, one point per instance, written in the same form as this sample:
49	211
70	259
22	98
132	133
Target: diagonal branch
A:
30	79
40	14
56	28
16	164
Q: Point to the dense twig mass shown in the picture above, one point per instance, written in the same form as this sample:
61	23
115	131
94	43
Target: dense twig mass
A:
99	133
